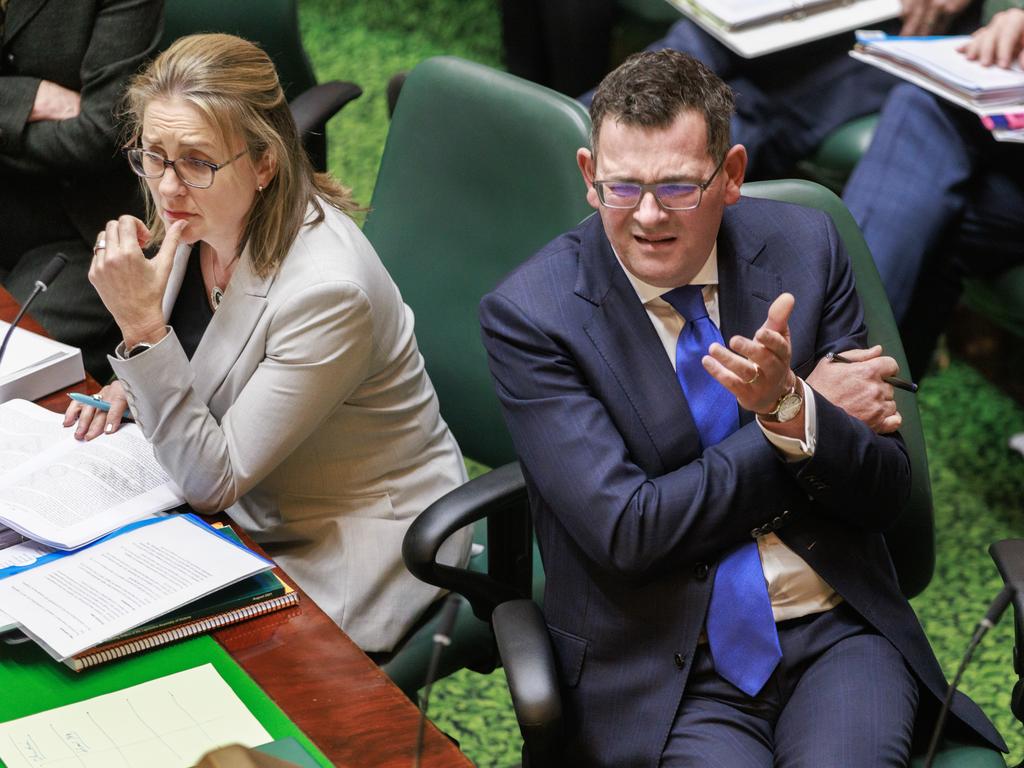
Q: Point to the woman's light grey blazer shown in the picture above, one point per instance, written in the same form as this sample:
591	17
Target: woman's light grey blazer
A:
307	413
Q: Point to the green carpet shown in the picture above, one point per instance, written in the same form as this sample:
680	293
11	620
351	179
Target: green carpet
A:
977	481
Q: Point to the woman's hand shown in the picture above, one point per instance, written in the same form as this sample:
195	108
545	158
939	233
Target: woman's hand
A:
998	42
92	422
132	286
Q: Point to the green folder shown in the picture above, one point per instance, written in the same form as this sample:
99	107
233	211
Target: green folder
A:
31	682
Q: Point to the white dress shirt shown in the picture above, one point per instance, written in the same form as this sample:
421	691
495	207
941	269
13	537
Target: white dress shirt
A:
794	588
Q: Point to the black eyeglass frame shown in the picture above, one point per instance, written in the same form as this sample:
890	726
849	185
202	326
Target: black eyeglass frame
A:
214	167
653	189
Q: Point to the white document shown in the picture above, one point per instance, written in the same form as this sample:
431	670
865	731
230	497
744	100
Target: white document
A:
20	555
68	492
34	365
7	622
72	603
934	86
803	26
169	722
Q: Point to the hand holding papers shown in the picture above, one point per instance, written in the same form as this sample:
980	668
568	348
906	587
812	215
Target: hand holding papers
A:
66	493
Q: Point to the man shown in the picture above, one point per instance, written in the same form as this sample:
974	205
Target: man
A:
63	67
936	165
788	102
666	500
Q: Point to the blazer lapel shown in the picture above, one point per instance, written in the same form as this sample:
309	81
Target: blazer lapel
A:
629	345
745	289
19	13
230	329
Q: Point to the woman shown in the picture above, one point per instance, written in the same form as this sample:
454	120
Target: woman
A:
267	354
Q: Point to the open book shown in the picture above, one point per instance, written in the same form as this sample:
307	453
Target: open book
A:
755	28
934	64
64	492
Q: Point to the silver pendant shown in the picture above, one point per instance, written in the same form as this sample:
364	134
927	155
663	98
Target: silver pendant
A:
216	297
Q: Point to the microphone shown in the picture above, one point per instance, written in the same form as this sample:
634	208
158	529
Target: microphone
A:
442	639
50	271
1009	558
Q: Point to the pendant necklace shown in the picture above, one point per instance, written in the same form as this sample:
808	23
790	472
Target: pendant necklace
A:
217	293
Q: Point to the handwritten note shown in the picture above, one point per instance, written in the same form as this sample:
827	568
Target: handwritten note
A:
169	722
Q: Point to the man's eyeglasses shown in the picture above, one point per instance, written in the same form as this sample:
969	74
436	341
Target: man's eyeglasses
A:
192	171
671	195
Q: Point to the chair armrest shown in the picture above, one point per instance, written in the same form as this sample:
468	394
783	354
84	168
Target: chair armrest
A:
500	492
526	653
314	107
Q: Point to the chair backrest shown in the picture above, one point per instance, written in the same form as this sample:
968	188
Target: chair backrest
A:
271	24
912	539
478	173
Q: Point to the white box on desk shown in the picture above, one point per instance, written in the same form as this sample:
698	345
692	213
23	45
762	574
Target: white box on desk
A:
34	366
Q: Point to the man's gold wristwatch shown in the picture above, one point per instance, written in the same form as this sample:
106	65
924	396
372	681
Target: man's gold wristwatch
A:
787	407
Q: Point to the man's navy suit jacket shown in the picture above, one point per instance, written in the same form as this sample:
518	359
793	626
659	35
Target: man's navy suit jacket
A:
632	517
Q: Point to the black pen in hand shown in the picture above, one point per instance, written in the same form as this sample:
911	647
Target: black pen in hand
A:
909	386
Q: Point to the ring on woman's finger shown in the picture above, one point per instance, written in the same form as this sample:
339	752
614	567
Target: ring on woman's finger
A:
101	245
757	373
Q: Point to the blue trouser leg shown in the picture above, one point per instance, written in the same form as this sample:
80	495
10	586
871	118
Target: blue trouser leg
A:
909	189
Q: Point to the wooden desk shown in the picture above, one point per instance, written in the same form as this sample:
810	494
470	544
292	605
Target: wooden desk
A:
314	672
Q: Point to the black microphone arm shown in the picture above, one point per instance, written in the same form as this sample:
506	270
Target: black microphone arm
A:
1009	559
442	639
50	271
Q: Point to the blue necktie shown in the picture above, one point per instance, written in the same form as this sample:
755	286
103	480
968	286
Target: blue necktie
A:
740	625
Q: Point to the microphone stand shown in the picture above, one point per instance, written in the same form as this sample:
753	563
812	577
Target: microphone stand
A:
57	263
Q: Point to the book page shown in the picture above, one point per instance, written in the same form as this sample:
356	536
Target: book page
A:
74	493
73	603
26	430
169	722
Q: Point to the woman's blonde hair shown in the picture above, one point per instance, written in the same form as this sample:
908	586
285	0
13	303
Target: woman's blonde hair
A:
234	84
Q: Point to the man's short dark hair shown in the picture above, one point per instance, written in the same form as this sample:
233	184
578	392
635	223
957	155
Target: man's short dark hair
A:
650	89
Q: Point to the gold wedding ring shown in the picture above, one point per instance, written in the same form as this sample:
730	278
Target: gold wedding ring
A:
101	245
757	373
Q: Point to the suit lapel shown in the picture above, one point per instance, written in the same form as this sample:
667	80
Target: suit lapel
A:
627	342
745	289
230	329
19	13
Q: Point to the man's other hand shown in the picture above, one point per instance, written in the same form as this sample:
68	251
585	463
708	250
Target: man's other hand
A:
930	17
55	102
858	387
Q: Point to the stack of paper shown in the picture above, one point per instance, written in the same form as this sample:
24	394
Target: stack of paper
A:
755	28
34	366
935	64
69	602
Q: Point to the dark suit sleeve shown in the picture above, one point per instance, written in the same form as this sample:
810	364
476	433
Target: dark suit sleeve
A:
124	35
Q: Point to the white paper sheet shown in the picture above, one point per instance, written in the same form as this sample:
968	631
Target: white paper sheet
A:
73	603
762	39
66	493
25	350
169	722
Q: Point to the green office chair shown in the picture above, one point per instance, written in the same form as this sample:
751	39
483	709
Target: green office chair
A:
274	26
478	173
518	624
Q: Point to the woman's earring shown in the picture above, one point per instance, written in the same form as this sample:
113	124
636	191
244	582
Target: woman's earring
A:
259	188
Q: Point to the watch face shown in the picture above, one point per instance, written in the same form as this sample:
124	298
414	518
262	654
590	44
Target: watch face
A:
789	406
